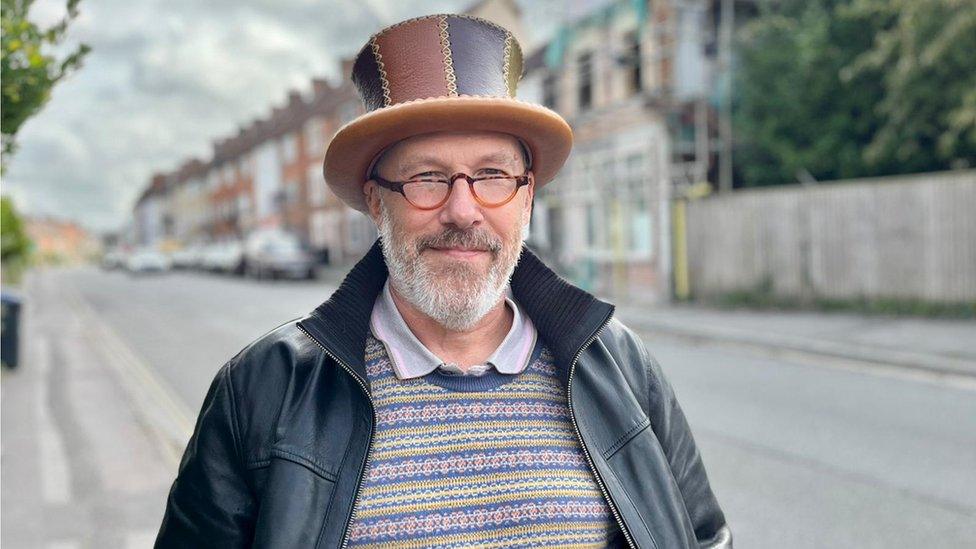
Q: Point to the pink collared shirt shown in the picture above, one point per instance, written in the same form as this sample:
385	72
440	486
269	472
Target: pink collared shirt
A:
411	358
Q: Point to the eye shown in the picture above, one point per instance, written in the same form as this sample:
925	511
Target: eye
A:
492	171
429	175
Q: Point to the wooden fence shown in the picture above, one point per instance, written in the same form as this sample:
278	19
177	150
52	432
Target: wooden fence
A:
905	237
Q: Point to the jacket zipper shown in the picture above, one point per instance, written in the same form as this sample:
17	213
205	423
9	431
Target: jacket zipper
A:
369	444
572	416
579	435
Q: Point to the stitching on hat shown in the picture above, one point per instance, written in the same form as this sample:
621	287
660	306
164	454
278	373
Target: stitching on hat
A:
375	45
489	23
445	15
448	58
460	97
508	64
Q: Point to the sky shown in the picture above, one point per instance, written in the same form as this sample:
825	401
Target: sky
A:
165	78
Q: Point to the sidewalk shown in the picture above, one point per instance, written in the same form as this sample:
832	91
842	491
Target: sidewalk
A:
938	346
80	468
942	347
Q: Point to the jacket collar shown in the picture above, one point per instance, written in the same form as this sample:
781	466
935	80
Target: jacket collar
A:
565	316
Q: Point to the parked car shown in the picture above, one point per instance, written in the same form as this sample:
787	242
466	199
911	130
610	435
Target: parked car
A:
185	258
113	259
207	254
147	260
274	253
225	257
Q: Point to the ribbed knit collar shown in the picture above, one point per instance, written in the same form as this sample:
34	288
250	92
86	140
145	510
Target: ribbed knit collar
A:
565	316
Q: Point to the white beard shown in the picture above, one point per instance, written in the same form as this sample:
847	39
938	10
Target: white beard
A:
456	295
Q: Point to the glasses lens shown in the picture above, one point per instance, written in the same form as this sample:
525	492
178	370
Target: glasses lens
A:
494	190
426	193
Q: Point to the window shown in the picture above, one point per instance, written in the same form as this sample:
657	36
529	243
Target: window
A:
635	174
631	60
320	230
316	186
243	204
549	91
642	229
289	148
290	194
584	182
314	138
584	68
591	226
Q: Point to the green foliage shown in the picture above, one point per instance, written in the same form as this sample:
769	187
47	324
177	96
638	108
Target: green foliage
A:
855	88
14	243
28	73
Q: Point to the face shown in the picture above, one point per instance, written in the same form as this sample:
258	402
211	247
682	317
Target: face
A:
454	262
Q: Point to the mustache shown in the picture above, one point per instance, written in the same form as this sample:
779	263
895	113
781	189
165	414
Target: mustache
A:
476	239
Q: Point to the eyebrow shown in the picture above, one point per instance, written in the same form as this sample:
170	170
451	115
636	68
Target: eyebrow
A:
496	157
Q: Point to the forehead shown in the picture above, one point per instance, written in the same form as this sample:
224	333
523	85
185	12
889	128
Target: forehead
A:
451	148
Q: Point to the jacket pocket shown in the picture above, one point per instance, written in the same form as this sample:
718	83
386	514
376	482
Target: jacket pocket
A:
296	498
626	437
641	468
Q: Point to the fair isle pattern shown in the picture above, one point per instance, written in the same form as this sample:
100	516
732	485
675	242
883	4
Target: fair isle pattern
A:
499	467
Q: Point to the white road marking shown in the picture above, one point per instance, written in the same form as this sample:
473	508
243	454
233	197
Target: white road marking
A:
171	420
55	473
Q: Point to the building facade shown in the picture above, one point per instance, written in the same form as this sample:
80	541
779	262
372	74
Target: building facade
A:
632	79
605	220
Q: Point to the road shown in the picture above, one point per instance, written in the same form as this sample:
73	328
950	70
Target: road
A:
802	451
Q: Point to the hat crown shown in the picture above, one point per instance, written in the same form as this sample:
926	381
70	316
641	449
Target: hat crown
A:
441	55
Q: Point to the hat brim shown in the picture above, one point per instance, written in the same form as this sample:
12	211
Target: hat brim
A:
353	148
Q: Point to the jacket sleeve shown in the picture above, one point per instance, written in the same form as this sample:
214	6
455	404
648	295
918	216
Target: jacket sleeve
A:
675	436
210	504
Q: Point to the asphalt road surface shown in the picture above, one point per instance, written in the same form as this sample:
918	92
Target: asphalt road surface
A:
802	452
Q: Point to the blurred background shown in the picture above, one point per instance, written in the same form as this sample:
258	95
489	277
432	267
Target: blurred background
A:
778	195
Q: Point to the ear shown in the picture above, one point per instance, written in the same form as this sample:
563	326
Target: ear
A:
372	192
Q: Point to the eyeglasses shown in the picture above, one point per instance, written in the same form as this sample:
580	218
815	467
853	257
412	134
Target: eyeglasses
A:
431	192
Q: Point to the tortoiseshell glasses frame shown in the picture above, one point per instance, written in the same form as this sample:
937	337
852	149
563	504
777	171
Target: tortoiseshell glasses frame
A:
432	192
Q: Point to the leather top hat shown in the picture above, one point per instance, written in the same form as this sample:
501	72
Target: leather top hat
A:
440	73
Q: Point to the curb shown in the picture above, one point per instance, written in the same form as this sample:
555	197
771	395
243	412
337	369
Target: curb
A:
942	366
906	360
166	417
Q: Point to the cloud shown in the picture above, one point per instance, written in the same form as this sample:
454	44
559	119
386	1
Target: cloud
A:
167	77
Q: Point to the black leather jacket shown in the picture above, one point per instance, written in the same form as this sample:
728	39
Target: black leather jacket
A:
281	442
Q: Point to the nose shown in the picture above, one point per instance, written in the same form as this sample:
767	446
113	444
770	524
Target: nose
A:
461	209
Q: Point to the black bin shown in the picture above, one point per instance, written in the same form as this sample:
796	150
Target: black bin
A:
9	329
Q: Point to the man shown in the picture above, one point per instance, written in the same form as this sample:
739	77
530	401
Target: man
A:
453	391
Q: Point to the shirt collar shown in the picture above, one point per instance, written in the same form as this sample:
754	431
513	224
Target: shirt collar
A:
411	358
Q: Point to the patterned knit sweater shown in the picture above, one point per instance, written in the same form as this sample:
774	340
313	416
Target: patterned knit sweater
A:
486	461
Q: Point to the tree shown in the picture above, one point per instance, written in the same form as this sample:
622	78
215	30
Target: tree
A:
927	57
853	88
28	73
14	243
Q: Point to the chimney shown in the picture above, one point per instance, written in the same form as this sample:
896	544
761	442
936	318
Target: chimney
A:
294	98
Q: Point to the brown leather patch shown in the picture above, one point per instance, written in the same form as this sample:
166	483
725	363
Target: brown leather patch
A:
413	60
